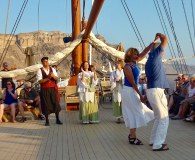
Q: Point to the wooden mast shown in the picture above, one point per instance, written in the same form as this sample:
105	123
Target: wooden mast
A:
76	30
77	52
97	5
85	44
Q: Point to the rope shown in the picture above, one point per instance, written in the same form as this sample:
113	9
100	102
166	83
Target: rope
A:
165	30
170	20
13	31
128	16
7	17
83	10
134	23
38	24
180	53
188	26
193	19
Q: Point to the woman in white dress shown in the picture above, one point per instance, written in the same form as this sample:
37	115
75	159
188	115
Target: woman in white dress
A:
88	106
116	79
135	113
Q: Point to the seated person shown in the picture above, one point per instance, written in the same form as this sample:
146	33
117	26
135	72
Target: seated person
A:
1	106
142	86
10	98
4	80
191	118
190	99
28	97
178	95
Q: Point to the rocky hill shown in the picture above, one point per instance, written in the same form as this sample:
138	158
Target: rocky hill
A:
43	44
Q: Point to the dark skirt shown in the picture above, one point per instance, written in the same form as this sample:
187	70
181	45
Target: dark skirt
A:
49	101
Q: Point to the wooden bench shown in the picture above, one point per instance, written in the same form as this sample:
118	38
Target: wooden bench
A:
71	98
105	90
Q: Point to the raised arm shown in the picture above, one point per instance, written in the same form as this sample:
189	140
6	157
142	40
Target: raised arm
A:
145	51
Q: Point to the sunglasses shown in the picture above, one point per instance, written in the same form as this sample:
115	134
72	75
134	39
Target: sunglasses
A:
8	83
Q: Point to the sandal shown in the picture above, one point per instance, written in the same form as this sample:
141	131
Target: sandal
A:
163	148
134	141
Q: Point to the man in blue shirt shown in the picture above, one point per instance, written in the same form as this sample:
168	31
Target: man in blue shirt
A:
156	84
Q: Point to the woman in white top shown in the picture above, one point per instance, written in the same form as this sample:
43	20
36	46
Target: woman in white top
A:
88	106
116	79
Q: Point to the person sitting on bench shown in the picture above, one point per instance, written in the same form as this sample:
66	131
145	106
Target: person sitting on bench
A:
29	97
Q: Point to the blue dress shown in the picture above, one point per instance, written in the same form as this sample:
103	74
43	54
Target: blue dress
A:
9	99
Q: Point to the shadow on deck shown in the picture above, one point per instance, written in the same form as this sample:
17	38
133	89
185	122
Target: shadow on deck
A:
104	141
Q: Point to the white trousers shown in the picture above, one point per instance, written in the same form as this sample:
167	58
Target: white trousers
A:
158	102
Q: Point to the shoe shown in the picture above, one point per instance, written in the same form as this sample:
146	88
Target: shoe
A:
190	119
172	115
47	124
134	141
23	119
59	122
176	118
118	120
41	117
163	148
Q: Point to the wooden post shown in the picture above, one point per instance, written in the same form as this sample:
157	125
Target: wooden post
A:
85	44
97	5
76	30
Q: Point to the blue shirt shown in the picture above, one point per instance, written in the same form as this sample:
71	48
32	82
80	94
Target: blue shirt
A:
136	72
155	73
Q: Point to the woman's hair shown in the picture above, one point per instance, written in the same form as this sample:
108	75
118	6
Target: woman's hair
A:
129	53
82	65
13	85
120	61
91	67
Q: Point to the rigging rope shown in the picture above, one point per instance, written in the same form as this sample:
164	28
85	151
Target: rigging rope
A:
193	19
126	11
13	31
165	30
170	20
188	26
134	23
83	10
7	19
38	24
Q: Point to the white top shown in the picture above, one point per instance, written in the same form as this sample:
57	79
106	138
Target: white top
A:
115	76
83	85
39	73
191	92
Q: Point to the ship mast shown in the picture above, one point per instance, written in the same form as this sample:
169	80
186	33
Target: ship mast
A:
80	53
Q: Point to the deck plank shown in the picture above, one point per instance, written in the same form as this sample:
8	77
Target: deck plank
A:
105	141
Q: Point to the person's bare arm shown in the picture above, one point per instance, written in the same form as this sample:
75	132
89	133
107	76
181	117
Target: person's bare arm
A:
145	51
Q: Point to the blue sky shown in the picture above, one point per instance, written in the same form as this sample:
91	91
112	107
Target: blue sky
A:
112	22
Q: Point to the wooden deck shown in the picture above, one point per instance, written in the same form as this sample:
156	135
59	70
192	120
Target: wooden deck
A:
105	141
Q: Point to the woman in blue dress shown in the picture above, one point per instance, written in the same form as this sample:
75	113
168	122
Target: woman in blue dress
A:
135	113
10	98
